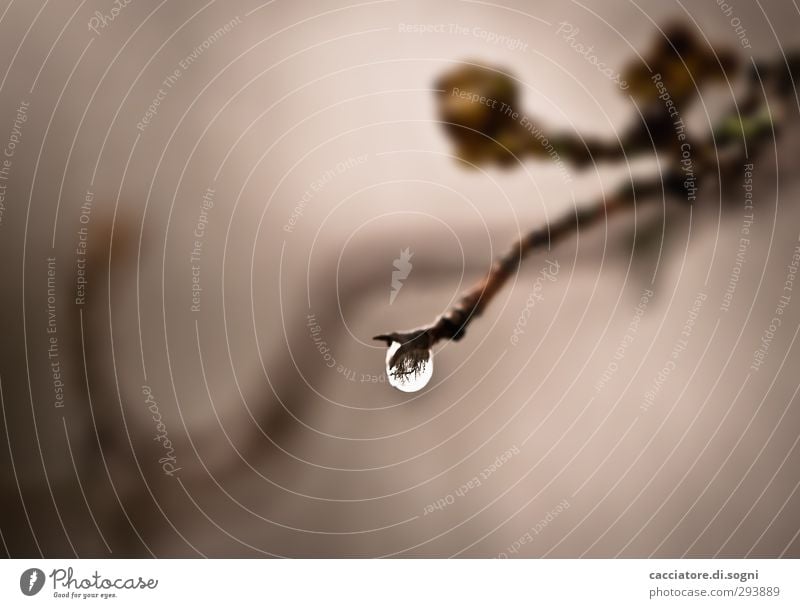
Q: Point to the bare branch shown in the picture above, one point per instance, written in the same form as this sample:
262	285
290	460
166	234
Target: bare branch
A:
723	151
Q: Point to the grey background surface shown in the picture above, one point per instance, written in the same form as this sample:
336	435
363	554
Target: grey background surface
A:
280	454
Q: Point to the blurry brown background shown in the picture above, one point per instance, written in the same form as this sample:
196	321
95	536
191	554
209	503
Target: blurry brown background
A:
276	452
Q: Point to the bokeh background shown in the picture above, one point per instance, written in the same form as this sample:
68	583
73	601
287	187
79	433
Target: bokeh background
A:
279	156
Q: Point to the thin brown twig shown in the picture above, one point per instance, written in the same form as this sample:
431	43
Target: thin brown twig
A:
452	324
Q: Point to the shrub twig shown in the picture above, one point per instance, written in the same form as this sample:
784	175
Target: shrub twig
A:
738	136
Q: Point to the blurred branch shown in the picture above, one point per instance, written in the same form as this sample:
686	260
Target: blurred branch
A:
680	65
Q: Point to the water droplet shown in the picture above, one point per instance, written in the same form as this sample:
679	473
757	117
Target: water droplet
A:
412	370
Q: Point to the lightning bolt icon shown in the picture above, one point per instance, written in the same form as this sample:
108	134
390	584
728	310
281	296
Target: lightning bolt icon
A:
32	581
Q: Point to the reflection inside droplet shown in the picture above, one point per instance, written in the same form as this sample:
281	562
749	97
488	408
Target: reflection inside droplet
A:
411	371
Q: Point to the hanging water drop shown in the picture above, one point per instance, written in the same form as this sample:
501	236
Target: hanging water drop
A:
409	370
